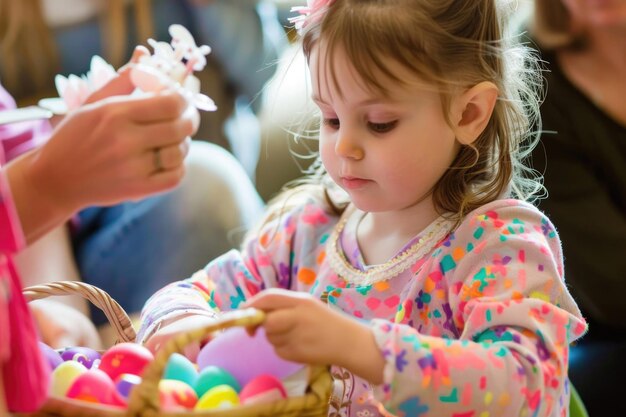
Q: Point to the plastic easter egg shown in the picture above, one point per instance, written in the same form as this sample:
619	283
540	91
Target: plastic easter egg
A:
95	386
84	355
181	369
174	394
220	397
125	358
262	389
53	358
212	376
64	376
125	383
245	356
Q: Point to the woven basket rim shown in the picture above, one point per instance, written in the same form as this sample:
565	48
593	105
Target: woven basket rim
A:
313	403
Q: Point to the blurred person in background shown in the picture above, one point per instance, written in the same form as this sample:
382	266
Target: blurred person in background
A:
583	158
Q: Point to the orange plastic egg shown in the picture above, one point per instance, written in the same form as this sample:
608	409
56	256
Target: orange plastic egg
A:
174	394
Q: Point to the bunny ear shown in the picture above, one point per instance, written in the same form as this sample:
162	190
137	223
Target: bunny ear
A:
204	102
181	33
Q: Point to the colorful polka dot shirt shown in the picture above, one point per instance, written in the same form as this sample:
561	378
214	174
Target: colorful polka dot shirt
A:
474	322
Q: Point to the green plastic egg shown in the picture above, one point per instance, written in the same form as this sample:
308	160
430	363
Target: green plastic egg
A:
212	376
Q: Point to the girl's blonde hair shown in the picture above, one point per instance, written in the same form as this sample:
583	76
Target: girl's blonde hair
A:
452	45
28	54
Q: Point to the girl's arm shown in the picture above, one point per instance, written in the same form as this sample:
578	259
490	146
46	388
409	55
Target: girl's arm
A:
275	258
514	317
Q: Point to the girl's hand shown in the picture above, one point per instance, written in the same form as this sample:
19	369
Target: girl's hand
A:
175	327
303	329
61	325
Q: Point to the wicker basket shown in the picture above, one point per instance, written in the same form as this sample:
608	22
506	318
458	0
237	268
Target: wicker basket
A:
144	398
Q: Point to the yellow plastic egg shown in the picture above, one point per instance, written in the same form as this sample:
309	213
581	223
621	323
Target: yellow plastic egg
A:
219	397
64	376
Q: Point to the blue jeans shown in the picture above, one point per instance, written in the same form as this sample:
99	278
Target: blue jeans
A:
133	249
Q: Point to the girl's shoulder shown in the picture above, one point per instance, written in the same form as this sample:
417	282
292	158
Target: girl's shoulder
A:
506	217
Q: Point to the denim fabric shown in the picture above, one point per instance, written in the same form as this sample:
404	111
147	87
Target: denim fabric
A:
133	249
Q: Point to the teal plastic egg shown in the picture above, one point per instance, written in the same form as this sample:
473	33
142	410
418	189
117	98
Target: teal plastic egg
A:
212	376
181	369
64	376
220	397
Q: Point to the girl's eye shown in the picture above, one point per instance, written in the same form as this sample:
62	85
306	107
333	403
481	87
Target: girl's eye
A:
382	127
332	123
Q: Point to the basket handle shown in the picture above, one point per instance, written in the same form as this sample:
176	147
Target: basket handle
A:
145	396
114	312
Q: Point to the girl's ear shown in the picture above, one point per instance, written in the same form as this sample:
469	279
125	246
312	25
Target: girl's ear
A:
473	110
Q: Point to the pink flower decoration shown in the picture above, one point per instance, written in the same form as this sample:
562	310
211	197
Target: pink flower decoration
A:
305	12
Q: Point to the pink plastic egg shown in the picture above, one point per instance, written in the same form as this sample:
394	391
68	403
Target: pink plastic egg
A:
244	356
262	389
174	394
125	358
95	386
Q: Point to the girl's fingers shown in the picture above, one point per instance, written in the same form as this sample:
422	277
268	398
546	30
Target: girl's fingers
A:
279	322
276	299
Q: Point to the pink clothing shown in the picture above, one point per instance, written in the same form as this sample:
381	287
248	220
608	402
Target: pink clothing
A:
471	322
17	138
24	371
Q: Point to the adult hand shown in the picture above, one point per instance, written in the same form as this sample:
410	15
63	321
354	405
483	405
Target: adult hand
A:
117	149
303	329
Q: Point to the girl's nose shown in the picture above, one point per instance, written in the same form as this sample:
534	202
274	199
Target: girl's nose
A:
347	146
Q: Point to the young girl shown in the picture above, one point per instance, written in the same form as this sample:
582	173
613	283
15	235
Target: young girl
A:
429	290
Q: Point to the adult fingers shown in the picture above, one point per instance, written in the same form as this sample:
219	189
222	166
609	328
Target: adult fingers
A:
160	134
146	108
169	157
154	182
165	180
138	52
118	86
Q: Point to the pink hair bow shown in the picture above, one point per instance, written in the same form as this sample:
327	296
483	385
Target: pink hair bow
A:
305	12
